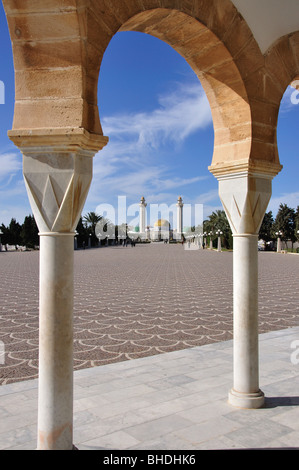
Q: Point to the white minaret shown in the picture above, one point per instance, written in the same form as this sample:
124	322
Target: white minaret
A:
179	218
142	216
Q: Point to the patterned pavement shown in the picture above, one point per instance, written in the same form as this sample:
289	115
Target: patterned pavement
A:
137	302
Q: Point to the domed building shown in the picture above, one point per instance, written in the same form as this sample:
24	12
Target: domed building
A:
161	230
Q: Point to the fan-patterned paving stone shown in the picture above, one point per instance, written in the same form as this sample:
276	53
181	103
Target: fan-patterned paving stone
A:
138	302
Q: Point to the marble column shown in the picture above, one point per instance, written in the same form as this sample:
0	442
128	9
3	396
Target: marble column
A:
179	206
245	197
142	217
57	168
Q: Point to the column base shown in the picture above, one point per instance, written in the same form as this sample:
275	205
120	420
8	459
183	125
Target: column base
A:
246	400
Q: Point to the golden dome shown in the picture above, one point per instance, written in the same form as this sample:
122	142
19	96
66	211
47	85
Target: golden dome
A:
162	223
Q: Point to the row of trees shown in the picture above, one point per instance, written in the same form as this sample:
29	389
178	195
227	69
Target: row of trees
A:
24	235
286	221
218	221
27	234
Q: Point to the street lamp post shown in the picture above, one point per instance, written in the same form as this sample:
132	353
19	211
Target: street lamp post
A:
211	241
219	233
278	234
76	240
199	240
1	233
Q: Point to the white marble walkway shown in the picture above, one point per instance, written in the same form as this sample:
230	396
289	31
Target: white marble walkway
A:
172	401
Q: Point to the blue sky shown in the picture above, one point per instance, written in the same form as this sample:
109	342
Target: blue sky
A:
159	124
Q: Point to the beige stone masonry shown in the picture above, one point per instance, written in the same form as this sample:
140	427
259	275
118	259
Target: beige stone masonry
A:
211	34
58	47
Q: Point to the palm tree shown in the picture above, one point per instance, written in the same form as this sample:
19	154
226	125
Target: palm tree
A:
90	221
103	232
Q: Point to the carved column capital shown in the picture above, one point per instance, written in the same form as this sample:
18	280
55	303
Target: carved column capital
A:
245	197
57	169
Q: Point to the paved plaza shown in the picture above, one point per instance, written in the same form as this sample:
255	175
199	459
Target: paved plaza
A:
172	401
137	302
153	351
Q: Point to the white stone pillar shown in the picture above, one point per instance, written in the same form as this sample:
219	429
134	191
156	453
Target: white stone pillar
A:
245	197
57	168
245	392
55	399
179	206
142	217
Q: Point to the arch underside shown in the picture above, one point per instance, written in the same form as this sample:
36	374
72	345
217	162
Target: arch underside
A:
58	47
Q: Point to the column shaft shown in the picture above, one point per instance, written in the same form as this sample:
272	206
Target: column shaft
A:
55	400
142	219
245	392
179	206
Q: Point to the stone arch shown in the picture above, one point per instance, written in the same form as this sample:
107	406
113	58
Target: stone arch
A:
265	87
214	66
282	63
58	47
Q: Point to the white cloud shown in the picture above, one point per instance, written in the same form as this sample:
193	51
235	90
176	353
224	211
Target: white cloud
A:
10	165
290	98
208	196
13	197
178	115
136	161
290	199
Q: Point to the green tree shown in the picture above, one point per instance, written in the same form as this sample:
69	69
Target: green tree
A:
82	231
285	222
29	232
297	223
266	229
14	233
4	236
218	221
90	221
